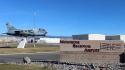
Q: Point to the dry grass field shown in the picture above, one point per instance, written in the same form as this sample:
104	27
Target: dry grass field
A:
20	67
29	48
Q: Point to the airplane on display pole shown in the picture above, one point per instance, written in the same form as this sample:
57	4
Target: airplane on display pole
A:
24	33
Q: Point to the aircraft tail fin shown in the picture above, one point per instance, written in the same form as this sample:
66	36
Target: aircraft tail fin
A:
10	27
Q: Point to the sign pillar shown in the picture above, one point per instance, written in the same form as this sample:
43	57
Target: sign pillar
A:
22	43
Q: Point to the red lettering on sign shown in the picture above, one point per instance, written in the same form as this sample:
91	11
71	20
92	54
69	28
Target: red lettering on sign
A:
81	46
69	42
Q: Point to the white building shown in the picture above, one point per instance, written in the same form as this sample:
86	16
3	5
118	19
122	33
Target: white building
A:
49	40
89	37
8	39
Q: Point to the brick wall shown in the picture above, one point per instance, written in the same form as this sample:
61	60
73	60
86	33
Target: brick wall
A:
95	57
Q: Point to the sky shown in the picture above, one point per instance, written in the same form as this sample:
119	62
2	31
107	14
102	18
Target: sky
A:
65	17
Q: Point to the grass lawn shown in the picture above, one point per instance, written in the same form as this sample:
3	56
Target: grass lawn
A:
20	67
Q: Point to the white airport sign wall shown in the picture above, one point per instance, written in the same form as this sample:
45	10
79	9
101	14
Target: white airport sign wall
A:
92	45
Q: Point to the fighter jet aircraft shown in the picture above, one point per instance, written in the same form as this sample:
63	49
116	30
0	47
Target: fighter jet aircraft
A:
24	33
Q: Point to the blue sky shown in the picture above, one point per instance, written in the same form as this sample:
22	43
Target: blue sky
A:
65	17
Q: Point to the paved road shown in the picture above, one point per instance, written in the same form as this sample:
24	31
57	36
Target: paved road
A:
36	56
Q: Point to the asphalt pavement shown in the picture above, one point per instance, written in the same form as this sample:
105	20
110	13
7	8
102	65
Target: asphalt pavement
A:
18	58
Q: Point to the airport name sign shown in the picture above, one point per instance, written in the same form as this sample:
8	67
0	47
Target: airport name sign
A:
91	45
